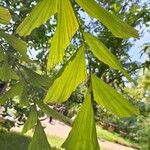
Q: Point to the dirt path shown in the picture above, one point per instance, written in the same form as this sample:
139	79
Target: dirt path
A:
113	146
59	129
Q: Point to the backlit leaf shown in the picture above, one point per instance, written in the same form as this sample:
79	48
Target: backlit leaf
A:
73	75
114	24
40	14
17	44
4	15
83	134
39	140
109	98
31	120
50	112
104	55
66	28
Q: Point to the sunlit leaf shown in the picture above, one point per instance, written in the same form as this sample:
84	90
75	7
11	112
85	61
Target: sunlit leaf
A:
114	24
17	44
4	15
40	14
15	90
83	134
73	75
39	140
50	112
109	98
104	55
31	121
66	28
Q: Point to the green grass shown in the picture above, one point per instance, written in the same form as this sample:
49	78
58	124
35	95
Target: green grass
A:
55	141
16	141
13	141
114	137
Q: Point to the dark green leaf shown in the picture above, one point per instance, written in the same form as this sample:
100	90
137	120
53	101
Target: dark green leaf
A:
35	79
31	121
2	55
50	112
17	44
16	90
6	72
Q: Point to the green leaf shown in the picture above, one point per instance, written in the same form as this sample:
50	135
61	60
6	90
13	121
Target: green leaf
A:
2	55
109	98
39	140
16	90
23	99
114	24
6	72
73	75
83	134
66	28
31	121
35	79
4	15
17	44
104	55
50	112
40	14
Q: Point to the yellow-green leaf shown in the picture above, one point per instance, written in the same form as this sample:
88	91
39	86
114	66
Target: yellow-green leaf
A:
109	98
83	134
104	55
73	75
39	140
40	14
31	121
4	15
114	24
17	44
66	28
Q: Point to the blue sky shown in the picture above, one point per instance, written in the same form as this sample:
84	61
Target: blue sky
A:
135	51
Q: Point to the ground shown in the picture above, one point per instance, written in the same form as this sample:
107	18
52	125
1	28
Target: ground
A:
57	132
57	128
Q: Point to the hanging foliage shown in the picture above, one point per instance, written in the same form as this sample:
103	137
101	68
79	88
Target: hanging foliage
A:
75	71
